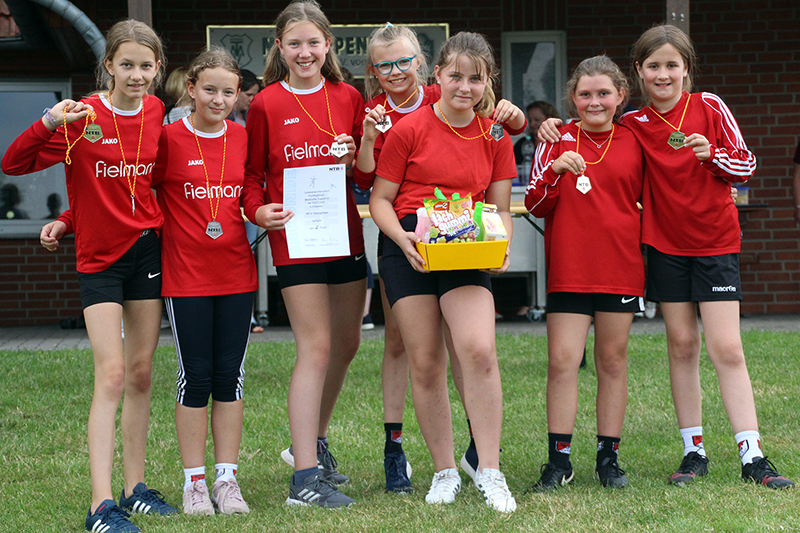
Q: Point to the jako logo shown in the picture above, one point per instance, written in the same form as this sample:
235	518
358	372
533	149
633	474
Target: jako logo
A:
729	288
293	153
110	141
288	121
193	162
104	170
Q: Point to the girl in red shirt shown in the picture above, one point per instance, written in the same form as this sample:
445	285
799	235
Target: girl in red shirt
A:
292	123
109	142
452	137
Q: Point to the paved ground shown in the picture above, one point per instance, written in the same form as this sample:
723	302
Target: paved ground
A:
55	338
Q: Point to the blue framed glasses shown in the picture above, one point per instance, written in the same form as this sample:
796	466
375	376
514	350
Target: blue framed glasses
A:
402	64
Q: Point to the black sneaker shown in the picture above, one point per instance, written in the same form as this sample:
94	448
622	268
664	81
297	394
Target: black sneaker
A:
146	501
610	474
762	471
552	478
317	491
109	518
396	468
693	465
327	467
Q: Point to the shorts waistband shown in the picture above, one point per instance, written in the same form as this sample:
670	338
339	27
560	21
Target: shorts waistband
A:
145	232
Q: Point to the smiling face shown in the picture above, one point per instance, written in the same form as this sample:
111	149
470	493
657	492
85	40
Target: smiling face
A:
133	67
462	84
303	47
398	83
214	95
596	99
663	73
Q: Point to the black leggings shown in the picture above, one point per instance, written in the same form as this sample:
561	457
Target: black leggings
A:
211	335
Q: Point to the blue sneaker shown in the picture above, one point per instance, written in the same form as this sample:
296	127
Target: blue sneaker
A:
397	477
146	501
109	518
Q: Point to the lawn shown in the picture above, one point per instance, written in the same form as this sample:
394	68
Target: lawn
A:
44	405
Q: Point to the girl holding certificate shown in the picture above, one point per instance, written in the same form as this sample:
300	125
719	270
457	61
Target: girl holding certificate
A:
306	116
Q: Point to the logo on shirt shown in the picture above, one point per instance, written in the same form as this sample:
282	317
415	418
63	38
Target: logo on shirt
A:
201	192
568	137
110	141
288	121
729	288
643	118
298	153
104	170
193	162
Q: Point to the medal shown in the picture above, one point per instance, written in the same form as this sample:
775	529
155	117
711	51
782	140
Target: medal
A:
496	132
90	115
384	125
338	149
214	229
93	133
583	184
676	139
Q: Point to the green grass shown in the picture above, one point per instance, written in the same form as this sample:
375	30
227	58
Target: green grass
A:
44	404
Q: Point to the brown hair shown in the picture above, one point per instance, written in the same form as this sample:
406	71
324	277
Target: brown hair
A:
596	66
477	48
126	31
175	86
276	68
548	109
386	36
214	57
655	38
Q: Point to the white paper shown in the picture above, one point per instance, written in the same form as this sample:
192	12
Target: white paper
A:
317	195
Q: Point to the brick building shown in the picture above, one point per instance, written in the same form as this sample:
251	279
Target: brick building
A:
749	54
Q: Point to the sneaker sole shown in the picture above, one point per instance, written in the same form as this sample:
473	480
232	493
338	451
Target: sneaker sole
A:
287	457
466	467
298	503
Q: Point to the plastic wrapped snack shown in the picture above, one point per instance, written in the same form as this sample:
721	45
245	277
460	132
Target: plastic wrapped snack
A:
490	226
450	220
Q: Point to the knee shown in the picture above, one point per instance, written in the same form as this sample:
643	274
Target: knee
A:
194	392
684	346
728	353
139	378
480	358
612	365
111	382
562	363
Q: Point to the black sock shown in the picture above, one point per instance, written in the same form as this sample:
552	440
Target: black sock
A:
607	447
394	438
559	447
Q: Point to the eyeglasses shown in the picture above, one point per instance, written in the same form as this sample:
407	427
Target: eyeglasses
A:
402	64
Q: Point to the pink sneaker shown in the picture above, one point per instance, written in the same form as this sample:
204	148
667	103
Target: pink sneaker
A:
196	500
227	498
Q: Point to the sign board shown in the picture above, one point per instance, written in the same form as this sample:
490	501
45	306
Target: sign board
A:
249	45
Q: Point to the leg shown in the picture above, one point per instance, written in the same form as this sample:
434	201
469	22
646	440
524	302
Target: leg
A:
419	319
191	424
227	419
611	360
394	372
103	326
683	347
724	345
142	325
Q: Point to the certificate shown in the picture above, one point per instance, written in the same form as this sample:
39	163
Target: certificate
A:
317	196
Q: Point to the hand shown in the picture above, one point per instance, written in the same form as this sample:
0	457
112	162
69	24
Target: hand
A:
569	162
370	120
51	232
272	217
506	264
348	141
548	131
73	111
700	145
408	245
505	112
734	193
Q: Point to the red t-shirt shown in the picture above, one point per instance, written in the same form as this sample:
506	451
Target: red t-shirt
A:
591	240
281	135
99	194
193	264
424	153
687	204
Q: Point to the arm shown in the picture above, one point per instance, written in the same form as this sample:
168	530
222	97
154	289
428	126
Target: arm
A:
367	158
727	157
548	131
51	232
542	193
512	117
381	207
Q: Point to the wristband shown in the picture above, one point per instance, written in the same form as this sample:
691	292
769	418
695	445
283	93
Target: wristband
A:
49	118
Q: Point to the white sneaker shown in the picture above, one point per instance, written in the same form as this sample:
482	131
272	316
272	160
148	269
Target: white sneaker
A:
227	496
466	467
444	487
288	457
492	484
196	500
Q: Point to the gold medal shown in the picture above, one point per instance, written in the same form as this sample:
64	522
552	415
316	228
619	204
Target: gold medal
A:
583	184
676	139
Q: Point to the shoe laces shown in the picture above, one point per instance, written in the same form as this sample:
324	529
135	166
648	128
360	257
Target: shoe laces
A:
444	482
327	460
493	484
116	516
548	472
230	491
764	467
322	486
690	463
196	493
613	469
151	496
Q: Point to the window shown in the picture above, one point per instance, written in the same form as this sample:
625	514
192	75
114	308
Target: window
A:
26	202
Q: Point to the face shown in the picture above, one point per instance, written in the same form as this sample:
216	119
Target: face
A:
246	98
304	47
134	66
663	73
596	99
462	84
535	119
397	81
214	95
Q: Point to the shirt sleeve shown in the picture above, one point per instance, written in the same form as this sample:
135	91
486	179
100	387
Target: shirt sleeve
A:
254	192
730	159
394	155
37	148
542	192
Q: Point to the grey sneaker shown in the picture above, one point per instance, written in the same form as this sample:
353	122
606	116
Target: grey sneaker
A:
325	461
317	491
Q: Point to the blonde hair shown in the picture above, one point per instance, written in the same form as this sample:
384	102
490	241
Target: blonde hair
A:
596	66
127	31
477	48
214	57
387	36
655	38
175	86
276	68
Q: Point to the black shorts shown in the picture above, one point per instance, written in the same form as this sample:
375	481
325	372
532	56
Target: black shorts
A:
344	270
401	280
677	278
211	335
588	303
134	276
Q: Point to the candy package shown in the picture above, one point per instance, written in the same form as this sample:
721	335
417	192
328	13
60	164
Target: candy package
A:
450	220
489	225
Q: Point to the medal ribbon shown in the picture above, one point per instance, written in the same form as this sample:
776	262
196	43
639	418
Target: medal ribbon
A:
483	134
91	114
578	144
386	102
332	133
131	187
214	210
653	109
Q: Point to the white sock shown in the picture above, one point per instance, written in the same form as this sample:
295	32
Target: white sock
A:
190	475
693	441
749	443
225	472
